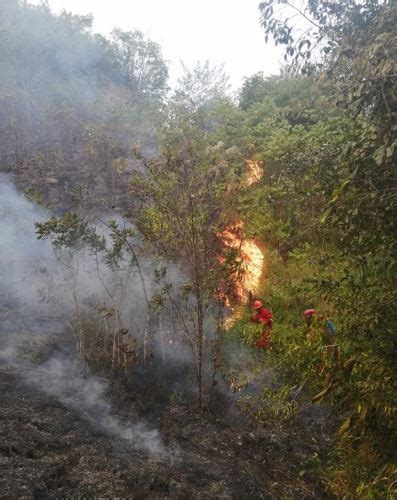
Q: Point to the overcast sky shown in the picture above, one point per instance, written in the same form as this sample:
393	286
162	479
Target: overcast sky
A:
222	31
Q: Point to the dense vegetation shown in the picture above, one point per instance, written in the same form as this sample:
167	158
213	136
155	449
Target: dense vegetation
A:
327	209
325	130
71	101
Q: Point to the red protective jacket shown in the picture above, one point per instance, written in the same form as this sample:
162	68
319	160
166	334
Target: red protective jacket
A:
263	316
263	341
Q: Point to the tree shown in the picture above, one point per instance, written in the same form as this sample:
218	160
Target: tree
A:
281	89
350	47
314	28
200	88
140	63
72	102
183	197
357	41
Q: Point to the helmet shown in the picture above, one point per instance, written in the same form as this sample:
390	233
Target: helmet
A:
257	304
309	313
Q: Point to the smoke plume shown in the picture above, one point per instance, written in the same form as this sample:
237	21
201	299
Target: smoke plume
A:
36	294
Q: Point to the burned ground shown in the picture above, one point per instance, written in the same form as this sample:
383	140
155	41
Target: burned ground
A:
67	433
49	451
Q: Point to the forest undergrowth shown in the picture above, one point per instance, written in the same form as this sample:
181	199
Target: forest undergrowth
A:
144	180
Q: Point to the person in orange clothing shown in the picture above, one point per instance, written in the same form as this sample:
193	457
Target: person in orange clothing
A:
263	317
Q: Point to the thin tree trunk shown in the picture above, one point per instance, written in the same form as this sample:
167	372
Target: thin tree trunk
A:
161	332
146	348
216	354
80	343
200	349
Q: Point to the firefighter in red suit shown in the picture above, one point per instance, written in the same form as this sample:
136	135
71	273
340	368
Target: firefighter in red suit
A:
264	317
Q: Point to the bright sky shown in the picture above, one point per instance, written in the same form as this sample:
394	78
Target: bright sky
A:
222	31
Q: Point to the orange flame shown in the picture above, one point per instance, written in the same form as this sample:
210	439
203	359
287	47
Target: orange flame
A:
246	278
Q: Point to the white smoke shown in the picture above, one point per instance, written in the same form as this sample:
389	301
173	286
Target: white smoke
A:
36	294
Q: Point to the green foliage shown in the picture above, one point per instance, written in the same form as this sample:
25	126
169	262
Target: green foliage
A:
322	186
358	68
139	63
36	197
69	231
200	88
184	195
359	388
321	28
375	480
272	406
74	233
327	205
284	90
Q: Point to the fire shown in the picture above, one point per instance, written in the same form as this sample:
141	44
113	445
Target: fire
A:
247	277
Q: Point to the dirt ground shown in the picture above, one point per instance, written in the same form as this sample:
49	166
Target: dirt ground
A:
49	451
51	447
